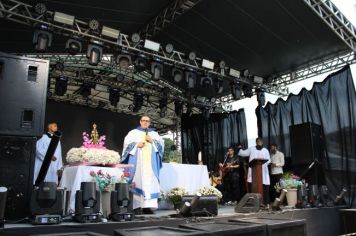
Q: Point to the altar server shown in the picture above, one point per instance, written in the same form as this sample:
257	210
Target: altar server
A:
259	152
41	149
143	148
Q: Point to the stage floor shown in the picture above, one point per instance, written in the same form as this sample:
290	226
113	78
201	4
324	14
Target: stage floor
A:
320	221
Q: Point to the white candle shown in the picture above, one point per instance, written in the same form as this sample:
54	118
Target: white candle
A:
199	157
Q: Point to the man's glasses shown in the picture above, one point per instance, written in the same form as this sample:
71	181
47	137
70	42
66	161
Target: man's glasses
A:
145	120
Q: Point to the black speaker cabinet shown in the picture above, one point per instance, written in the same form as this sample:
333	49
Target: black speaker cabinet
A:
23	91
206	206
17	155
307	143
157	230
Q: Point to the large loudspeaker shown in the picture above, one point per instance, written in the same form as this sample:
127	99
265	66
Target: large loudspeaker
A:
307	143
17	155
23	91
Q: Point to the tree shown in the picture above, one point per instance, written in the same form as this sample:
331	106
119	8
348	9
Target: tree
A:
171	154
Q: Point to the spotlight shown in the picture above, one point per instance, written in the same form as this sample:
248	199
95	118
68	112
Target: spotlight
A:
73	46
208	64
245	73
114	96
94	26
87	203
141	63
163	107
234	73
151	45
135	38
85	90
257	79
63	18
177	75
120	201
185	209
236	91
3	196
190	78
94	53
261	99
40	8
247	91
110	32
339	198
206	82
42	40
137	102
219	86
156	70
123	60
192	56
60	88
222	65
278	200
169	48
47	204
178	108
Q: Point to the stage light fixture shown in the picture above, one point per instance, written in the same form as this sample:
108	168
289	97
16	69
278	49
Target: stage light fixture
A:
85	90
177	75
141	63
94	25
178	108
42	40
123	60
234	73
258	79
73	46
206	81
87	203
278	200
245	73
261	98
340	198
156	70
120	202
60	87
190	78
94	53
192	56
219	86
135	38
47	204
208	64
222	66
151	45
247	89
236	91
163	106
137	102
169	48
40	8
3	196
114	96
63	18
110	32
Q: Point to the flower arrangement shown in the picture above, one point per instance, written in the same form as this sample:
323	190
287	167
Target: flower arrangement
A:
163	196
175	195
288	181
106	182
210	190
93	156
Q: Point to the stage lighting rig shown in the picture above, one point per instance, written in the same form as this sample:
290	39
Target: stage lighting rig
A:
190	79
148	44
222	66
110	32
94	52
169	48
42	39
60	87
124	59
73	46
206	112
135	38
156	69
114	96
219	86
94	26
120	203
40	8
261	98
63	18
236	91
178	108
208	64
85	90
247	89
206	82
177	75
87	203
137	102
141	63
192	56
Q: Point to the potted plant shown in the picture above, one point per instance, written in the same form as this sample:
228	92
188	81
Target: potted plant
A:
175	196
290	182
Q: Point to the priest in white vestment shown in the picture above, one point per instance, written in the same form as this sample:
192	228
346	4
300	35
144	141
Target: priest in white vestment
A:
41	149
259	152
143	148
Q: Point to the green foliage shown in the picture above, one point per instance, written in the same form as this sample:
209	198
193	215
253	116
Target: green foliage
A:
170	152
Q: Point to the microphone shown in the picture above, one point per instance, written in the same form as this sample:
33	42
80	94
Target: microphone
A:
146	131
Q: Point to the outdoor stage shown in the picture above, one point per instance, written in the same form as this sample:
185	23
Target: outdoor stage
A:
319	221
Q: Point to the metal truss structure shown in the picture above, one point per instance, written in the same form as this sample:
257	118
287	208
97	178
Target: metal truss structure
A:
332	16
166	17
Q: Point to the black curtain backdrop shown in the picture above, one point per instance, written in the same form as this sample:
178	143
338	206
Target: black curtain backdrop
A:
212	136
331	104
73	120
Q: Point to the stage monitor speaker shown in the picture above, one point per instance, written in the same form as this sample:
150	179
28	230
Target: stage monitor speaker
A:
250	202
23	92
17	155
278	227
71	234
228	228
206	206
307	143
157	230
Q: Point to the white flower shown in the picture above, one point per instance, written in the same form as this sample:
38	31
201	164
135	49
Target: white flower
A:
210	191
93	155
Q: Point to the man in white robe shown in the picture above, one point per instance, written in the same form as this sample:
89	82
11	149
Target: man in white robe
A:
143	148
41	149
261	153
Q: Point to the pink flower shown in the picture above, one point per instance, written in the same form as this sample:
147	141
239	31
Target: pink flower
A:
100	172
126	174
92	173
